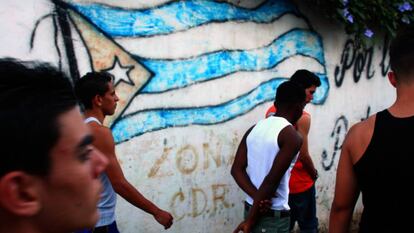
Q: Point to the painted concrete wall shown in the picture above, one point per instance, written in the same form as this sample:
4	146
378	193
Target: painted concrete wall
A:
192	77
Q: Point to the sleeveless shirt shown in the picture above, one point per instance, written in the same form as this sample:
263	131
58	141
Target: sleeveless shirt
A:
384	174
262	148
106	205
300	180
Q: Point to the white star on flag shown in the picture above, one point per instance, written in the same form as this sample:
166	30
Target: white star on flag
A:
106	54
120	73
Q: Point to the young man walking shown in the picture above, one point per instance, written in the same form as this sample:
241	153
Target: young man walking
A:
96	92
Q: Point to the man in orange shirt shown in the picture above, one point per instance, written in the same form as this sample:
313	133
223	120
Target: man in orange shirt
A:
302	199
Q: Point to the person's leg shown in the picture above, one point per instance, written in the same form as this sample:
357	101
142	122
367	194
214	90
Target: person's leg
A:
306	205
293	210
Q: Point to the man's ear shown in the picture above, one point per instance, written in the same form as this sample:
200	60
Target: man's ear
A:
392	79
20	193
97	100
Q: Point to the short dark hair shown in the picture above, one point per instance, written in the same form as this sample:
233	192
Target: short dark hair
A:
32	97
402	52
289	93
305	78
90	85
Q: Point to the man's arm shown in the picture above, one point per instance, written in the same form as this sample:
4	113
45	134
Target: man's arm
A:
289	142
105	143
303	126
346	189
238	169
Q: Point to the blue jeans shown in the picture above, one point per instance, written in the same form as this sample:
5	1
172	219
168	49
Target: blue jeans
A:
111	228
303	210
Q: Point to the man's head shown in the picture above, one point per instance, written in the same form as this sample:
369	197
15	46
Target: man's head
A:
49	169
402	55
308	80
290	100
96	90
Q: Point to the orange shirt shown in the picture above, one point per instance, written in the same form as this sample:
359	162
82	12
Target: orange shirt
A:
300	180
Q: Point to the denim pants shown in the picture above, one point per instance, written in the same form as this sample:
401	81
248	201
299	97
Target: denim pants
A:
303	210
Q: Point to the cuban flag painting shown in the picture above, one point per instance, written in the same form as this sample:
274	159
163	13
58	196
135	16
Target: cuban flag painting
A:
194	62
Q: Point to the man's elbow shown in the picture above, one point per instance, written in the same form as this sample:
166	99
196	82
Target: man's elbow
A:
236	172
341	208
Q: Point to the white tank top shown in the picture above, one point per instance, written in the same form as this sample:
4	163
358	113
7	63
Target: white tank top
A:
262	149
92	119
107	203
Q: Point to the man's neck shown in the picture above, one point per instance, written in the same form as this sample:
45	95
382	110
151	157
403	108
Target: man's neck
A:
404	104
285	115
98	114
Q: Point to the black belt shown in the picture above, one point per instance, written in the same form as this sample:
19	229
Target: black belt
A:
270	212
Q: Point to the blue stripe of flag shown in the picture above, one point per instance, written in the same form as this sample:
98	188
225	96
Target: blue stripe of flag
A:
173	74
176	16
141	122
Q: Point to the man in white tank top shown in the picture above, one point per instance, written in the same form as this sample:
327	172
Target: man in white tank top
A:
264	160
97	94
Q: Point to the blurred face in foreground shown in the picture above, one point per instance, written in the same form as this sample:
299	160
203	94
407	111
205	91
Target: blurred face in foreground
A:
71	191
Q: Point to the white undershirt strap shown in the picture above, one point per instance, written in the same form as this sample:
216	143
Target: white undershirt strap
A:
91	119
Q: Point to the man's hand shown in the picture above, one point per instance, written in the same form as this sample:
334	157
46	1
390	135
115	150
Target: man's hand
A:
244	227
164	218
264	205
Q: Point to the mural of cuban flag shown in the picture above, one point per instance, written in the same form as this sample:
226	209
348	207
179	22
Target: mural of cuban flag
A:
194	62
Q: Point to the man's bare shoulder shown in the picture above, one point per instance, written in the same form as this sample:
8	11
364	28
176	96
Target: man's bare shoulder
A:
358	138
304	120
305	117
291	136
303	124
363	128
101	132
